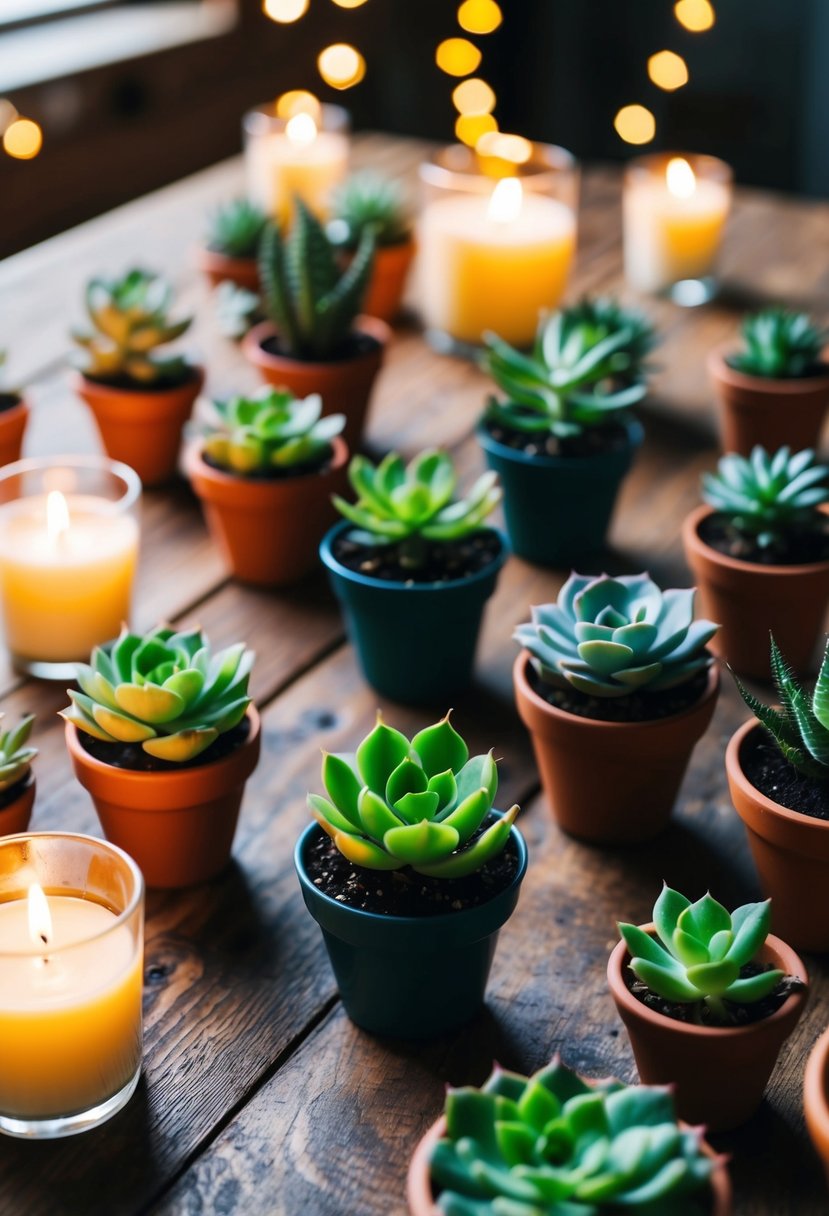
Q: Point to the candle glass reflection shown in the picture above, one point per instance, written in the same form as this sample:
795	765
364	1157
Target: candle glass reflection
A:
71	962
495	251
68	551
304	154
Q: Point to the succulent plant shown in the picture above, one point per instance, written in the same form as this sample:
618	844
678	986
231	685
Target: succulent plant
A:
780	345
270	430
130	316
769	498
15	756
554	1145
164	690
418	803
586	367
702	952
410	505
312	303
236	229
609	637
368	200
237	310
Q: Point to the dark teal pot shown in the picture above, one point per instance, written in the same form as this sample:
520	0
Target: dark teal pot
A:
415	642
557	508
409	977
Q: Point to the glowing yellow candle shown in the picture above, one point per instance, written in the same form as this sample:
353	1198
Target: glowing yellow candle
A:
299	160
493	262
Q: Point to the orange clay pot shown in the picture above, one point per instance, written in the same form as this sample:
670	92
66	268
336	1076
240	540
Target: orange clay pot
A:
388	280
220	268
142	427
16	816
771	413
13	420
421	1198
611	782
178	825
344	384
816	1097
790	851
268	530
750	600
719	1072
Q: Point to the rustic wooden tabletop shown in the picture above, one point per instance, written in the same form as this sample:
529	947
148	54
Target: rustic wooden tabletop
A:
258	1095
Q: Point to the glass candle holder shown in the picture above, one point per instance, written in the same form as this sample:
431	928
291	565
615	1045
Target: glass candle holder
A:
304	155
494	252
674	210
71	963
68	550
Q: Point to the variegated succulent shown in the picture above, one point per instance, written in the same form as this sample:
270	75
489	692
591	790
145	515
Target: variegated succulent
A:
15	756
780	345
270	430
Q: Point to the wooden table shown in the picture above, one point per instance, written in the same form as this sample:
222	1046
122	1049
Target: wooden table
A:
258	1095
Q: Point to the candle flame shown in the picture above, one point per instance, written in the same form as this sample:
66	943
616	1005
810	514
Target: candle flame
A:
680	178
40	918
57	515
506	201
301	130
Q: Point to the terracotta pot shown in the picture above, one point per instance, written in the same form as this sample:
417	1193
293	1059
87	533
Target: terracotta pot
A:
816	1097
13	421
611	782
16	816
141	427
177	825
388	281
344	384
421	1198
757	410
750	600
790	850
220	268
720	1072
268	531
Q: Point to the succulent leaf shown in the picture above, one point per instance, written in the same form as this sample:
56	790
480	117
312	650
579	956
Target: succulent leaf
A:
367	200
269	429
780	344
15	756
235	228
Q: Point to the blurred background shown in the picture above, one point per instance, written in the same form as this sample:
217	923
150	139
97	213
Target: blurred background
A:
104	100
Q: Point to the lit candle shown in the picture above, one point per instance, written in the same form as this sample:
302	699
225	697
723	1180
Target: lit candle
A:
674	214
296	157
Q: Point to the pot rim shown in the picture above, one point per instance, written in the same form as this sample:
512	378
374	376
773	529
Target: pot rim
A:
19	406
816	1091
791	964
207	256
523	686
442	919
735	772
371	327
694	543
326	552
195	463
720	369
634	428
99	388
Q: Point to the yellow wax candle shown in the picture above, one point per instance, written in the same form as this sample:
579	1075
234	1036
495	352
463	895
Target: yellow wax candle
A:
66	573
493	262
70	1016
298	161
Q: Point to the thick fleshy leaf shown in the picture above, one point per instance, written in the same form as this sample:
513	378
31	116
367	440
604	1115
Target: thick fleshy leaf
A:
605	657
704	918
414	808
80	720
751	924
325	809
470	859
755	988
689	950
667	982
641	945
468	816
516	1143
342	785
365	853
712	979
149	703
538	1106
187	684
640	1106
96	686
376	818
446	788
407	778
119	726
440	747
184	745
421	842
380	753
666	913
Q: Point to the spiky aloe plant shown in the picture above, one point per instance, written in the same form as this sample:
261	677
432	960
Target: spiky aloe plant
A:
702	952
236	228
780	345
131	321
419	803
609	637
312	303
270	430
412	505
368	200
15	756
554	1145
165	691
586	367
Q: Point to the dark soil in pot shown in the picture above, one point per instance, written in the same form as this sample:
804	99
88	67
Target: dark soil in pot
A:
8	401
132	756
357	345
770	773
126	384
801	549
591	442
441	561
7	797
636	707
286	473
700	1015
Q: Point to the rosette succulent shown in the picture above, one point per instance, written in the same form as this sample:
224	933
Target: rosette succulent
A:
609	637
236	229
130	318
586	367
367	200
780	345
410	505
237	310
165	691
15	756
554	1145
419	803
699	952
268	431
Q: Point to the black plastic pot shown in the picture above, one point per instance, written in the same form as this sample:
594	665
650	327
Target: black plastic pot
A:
410	977
558	508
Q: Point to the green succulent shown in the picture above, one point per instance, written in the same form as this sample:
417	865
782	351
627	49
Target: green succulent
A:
780	345
270	430
411	505
609	637
312	303
586	367
164	690
554	1145
15	756
769	499
131	320
236	229
702	952
237	310
415	803
367	200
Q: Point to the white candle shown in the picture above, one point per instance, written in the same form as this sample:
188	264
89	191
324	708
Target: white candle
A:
298	160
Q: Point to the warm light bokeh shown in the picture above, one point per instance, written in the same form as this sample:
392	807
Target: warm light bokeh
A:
668	70
635	124
457	57
470	127
498	144
23	139
298	101
695	15
479	16
285	11
349	3
473	96
341	65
